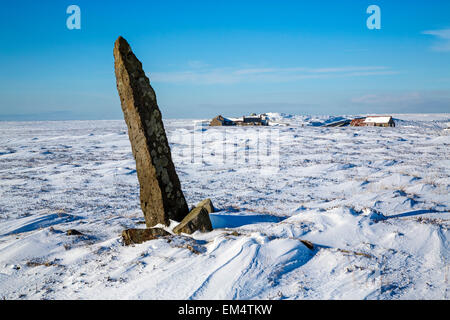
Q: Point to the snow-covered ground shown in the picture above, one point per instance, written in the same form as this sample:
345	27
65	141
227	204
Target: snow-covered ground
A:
373	201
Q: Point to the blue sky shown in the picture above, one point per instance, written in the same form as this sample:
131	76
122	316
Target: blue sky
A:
205	58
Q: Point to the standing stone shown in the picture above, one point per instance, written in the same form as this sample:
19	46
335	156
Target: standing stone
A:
160	190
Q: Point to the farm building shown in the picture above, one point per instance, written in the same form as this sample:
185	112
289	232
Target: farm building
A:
358	122
253	120
341	123
373	121
221	121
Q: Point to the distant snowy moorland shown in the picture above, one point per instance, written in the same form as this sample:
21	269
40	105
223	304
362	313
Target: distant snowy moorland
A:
373	201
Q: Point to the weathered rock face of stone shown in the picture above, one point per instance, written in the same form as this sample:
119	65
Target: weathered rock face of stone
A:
197	219
135	236
160	190
207	204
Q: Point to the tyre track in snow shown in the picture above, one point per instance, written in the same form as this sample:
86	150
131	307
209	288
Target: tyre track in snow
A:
218	277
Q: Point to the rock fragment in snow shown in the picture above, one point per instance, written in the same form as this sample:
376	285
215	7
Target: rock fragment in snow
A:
73	232
197	219
161	196
207	204
308	244
136	236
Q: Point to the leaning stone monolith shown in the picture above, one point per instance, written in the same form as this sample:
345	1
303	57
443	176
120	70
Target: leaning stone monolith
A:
160	190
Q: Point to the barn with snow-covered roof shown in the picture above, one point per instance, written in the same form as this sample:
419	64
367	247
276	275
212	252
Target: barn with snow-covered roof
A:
379	121
373	121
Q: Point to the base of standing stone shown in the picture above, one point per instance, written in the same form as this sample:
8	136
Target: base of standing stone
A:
197	220
135	236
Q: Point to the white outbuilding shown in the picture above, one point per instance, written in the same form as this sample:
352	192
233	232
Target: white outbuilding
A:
379	121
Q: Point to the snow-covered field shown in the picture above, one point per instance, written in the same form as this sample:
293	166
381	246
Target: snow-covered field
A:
373	201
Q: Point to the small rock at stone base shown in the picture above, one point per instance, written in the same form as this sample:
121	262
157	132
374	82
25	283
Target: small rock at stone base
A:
207	204
73	232
136	236
197	219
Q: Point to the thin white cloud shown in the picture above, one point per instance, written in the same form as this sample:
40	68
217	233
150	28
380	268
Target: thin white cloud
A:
443	33
378	99
197	64
307	70
443	36
348	69
232	75
423	101
256	71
